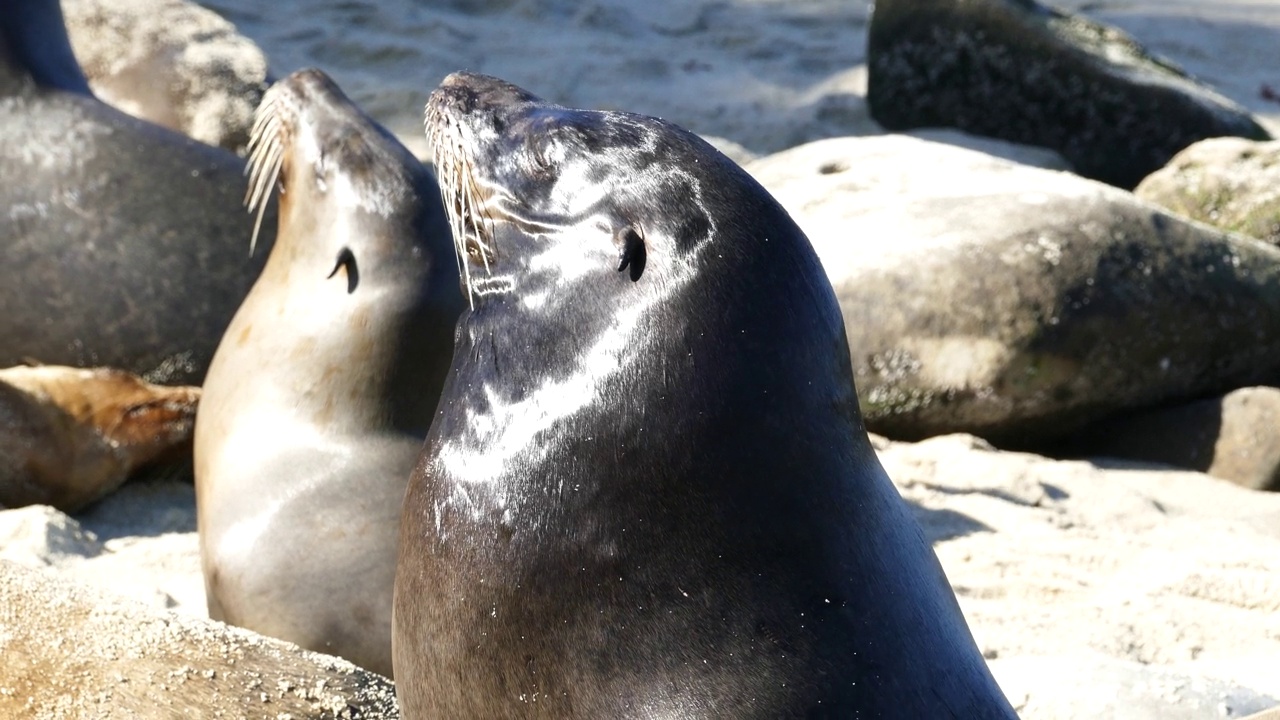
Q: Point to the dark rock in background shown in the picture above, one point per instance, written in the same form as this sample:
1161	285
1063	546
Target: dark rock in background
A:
1015	70
1234	437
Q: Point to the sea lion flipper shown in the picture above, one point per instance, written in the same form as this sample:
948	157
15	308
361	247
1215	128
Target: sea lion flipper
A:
631	250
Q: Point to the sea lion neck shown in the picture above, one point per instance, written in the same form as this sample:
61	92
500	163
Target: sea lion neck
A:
35	49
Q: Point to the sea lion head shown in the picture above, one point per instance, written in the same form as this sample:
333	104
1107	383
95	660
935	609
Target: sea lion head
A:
362	274
332	167
604	253
533	188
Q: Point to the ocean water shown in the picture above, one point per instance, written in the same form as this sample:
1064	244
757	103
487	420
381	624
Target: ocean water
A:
768	74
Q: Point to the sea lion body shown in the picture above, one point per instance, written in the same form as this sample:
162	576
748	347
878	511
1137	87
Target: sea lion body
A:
325	383
126	242
69	436
649	493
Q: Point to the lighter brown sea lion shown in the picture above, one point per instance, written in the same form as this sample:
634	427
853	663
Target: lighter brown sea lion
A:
69	436
324	385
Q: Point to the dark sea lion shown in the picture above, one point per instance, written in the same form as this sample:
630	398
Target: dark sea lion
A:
321	392
69	436
648	491
124	241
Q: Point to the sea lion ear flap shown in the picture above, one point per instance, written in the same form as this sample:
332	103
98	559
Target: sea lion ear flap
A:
631	250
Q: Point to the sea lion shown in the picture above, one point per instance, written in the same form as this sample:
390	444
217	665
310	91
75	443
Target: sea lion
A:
648	491
322	390
124	241
69	436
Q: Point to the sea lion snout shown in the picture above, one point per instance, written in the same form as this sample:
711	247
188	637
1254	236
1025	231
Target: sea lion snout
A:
467	93
311	85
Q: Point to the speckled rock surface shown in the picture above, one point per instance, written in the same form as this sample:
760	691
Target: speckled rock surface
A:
1015	303
1230	183
171	62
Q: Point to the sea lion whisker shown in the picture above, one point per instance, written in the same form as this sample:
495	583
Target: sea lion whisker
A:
452	204
261	177
465	206
265	183
444	174
475	206
266	159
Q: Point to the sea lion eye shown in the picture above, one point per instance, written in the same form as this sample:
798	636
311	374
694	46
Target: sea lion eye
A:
347	261
631	251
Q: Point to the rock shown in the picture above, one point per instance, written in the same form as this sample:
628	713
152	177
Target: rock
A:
1014	152
38	536
139	543
1019	71
1230	183
71	653
1235	437
69	436
171	62
148	528
1019	304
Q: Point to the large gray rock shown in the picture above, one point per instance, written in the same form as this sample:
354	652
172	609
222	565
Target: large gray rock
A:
1015	303
1019	71
171	62
1231	183
1235	437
